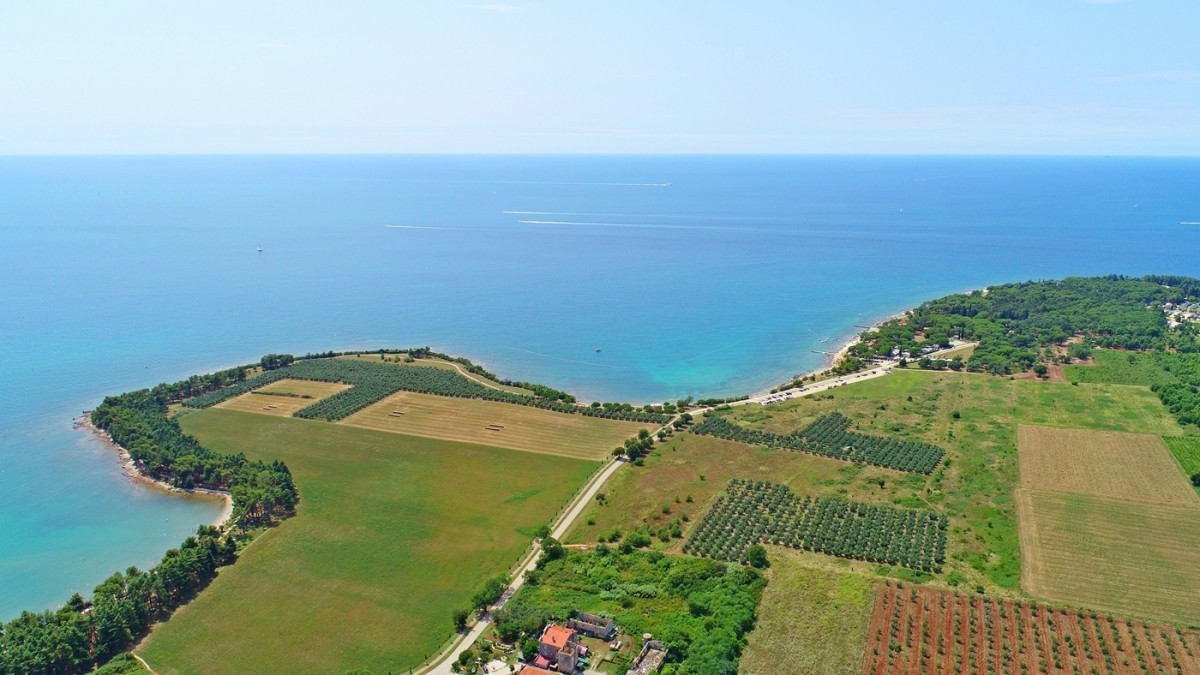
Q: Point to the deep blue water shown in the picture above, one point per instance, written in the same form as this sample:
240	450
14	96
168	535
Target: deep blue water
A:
695	275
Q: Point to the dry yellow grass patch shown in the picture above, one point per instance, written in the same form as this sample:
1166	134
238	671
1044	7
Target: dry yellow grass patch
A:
1126	557
283	406
1109	464
504	425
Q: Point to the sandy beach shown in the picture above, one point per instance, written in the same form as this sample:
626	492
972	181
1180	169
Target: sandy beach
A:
131	470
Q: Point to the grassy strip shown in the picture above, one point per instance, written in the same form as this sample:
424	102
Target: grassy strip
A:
814	621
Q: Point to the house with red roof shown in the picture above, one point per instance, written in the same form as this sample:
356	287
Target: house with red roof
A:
559	648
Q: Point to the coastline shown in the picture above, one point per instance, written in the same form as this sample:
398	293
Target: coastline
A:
131	471
857	337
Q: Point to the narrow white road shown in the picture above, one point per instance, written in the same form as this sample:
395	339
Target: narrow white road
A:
560	529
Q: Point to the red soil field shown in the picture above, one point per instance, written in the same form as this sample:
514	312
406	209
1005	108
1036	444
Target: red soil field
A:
915	629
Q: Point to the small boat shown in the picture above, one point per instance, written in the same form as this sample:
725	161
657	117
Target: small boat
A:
597	350
260	249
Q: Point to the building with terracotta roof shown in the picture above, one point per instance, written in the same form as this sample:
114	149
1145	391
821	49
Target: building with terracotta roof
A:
559	646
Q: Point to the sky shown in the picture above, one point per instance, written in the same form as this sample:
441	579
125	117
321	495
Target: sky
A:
1099	77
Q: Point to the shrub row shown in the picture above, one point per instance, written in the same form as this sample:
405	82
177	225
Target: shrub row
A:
830	436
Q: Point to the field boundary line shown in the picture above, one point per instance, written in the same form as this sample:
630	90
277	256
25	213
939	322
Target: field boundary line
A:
1027	539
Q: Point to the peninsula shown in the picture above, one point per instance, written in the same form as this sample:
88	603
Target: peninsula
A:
924	504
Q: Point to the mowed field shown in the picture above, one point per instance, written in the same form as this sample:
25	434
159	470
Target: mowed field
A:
393	532
1129	557
502	425
1108	464
812	620
283	406
916	629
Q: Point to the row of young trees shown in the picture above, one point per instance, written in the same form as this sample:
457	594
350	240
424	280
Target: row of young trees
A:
830	436
371	382
84	634
757	512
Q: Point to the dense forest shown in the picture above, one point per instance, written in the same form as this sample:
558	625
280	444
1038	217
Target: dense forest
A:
1026	325
83	634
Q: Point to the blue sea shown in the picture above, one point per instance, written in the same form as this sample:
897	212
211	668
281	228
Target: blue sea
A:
617	278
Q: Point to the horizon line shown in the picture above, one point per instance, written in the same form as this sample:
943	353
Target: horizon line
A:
1088	155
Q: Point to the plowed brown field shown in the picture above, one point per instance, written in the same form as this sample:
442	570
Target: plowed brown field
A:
915	629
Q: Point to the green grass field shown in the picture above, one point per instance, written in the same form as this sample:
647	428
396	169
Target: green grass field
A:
1118	367
393	532
1187	451
813	620
975	417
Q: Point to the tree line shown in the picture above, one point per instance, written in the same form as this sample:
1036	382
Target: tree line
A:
138	422
86	633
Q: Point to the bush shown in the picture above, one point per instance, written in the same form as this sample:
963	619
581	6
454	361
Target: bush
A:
756	556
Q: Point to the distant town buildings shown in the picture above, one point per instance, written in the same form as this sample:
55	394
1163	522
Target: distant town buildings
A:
1183	312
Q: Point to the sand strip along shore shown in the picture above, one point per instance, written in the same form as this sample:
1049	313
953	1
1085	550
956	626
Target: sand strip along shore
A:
131	470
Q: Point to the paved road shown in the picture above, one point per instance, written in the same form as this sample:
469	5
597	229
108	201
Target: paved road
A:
564	524
825	385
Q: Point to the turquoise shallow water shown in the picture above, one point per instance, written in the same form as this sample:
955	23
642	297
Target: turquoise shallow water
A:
695	275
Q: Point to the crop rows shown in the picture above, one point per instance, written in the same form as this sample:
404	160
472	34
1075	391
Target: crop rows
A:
830	436
758	512
372	382
916	629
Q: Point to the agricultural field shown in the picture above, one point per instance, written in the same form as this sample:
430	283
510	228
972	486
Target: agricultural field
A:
283	397
759	512
434	362
1187	452
1109	464
916	629
974	417
813	620
496	424
1137	559
392	533
830	436
372	381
